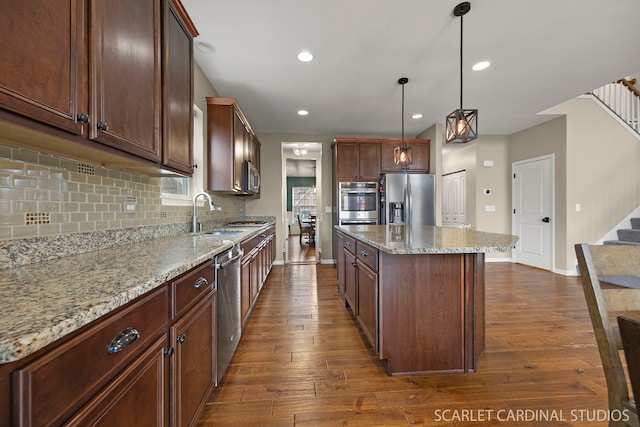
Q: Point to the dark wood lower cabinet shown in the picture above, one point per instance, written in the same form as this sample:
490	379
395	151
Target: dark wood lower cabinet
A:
136	398
421	313
194	361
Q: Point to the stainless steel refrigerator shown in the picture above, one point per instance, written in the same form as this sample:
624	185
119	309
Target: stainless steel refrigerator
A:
408	199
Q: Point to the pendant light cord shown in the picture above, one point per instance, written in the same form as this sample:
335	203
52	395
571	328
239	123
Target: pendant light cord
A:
461	17
402	117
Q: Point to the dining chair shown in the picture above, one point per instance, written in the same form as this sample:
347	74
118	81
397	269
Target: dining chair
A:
630	337
595	263
306	229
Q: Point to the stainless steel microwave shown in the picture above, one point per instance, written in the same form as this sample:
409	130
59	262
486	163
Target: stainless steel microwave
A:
251	178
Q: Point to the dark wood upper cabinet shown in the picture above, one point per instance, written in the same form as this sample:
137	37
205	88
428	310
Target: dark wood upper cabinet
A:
117	72
44	55
420	155
231	142
177	85
125	76
357	160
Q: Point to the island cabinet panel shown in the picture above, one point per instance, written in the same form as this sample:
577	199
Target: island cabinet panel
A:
44	55
420	156
424	301
340	263
350	281
368	303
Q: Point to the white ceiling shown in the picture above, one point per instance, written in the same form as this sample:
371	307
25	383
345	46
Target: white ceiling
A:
542	53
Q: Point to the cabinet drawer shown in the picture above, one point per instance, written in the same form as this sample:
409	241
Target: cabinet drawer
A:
56	385
368	255
194	284
350	244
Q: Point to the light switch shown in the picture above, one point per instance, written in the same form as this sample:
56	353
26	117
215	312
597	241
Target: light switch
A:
578	207
487	163
489	208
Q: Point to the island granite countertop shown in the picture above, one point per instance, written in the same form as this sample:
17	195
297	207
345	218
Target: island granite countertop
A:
45	301
428	239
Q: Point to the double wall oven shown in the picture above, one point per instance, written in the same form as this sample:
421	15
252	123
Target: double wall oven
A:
358	203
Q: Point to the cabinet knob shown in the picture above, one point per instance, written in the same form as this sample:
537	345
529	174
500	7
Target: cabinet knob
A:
181	338
354	264
82	118
102	126
168	351
200	283
123	340
364	254
347	244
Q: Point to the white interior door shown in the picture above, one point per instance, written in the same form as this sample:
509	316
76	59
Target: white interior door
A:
454	196
532	211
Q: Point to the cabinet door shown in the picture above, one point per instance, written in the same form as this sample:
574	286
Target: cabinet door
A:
420	155
350	284
255	276
194	361
125	76
240	135
369	161
368	303
136	398
346	161
245	288
44	75
177	78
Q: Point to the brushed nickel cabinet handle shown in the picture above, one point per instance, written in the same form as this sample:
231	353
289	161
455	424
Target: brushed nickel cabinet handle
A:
200	283
123	340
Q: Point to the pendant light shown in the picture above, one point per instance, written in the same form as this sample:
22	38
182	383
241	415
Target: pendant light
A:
462	124
402	155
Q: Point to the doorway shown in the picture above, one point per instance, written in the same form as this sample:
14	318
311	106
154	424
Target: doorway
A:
454	199
532	202
302	166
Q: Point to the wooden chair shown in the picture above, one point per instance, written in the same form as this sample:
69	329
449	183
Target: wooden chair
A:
306	229
630	336
595	261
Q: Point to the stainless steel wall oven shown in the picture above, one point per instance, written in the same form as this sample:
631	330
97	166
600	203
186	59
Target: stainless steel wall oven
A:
358	203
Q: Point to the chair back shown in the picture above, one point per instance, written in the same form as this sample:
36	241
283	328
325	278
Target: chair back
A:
595	261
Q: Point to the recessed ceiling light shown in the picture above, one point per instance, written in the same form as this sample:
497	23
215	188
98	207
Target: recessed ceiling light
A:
305	56
481	65
303	112
417	116
205	47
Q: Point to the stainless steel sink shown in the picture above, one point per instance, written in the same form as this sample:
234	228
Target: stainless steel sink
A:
224	232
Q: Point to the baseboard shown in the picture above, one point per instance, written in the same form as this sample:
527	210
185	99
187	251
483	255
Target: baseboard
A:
487	259
327	261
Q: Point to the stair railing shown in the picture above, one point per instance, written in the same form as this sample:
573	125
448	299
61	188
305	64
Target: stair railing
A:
623	99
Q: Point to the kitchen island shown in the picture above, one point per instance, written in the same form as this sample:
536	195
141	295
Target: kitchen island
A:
418	293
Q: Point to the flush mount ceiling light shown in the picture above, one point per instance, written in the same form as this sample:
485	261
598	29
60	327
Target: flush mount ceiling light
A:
303	113
402	155
417	116
300	150
305	56
462	125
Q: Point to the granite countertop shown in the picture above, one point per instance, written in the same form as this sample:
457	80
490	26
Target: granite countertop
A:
428	239
45	301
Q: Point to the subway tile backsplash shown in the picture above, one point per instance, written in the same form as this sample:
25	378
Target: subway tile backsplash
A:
42	195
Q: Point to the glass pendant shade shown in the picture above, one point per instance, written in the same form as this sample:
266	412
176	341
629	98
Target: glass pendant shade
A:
402	155
462	126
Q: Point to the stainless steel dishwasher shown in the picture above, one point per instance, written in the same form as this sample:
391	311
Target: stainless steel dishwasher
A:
228	317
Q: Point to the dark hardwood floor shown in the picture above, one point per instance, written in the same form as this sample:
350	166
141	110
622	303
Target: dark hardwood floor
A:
303	362
304	252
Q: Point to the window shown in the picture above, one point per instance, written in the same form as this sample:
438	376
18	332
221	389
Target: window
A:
304	202
178	191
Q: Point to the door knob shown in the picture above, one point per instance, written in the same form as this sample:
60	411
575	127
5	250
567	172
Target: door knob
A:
545	219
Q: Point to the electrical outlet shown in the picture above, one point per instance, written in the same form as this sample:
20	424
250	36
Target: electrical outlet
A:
129	205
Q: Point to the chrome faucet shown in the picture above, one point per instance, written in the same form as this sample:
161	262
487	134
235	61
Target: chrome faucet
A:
194	219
